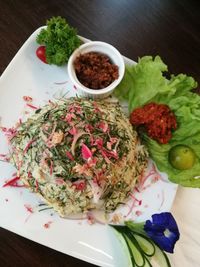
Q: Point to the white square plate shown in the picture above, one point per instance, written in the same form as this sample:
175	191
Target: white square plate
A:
26	75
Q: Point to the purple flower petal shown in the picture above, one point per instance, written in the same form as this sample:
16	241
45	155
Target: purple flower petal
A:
163	230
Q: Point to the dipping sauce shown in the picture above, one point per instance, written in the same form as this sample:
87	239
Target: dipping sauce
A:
95	70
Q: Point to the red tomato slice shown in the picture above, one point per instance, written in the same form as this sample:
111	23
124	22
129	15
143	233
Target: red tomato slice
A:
41	53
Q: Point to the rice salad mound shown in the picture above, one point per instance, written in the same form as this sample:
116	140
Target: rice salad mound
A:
79	155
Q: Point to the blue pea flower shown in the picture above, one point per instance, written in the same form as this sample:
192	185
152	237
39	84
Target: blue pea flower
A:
163	230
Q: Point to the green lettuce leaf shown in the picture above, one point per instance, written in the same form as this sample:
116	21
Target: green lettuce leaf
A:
122	91
146	83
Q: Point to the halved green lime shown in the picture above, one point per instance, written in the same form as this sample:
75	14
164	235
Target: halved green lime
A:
182	157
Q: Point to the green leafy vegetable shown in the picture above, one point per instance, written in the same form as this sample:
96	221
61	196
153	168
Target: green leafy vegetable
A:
144	83
60	40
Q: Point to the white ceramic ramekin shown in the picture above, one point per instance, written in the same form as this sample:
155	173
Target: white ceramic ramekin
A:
104	48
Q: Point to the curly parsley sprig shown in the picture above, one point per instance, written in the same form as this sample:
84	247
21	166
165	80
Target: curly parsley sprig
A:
59	39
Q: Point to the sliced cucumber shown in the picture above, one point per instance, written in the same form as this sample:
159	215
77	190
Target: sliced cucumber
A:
146	245
141	249
130	251
161	258
147	263
135	227
136	255
119	228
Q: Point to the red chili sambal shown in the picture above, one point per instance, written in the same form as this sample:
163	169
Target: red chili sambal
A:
95	70
157	119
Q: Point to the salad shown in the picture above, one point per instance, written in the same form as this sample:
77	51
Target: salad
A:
145	83
78	155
